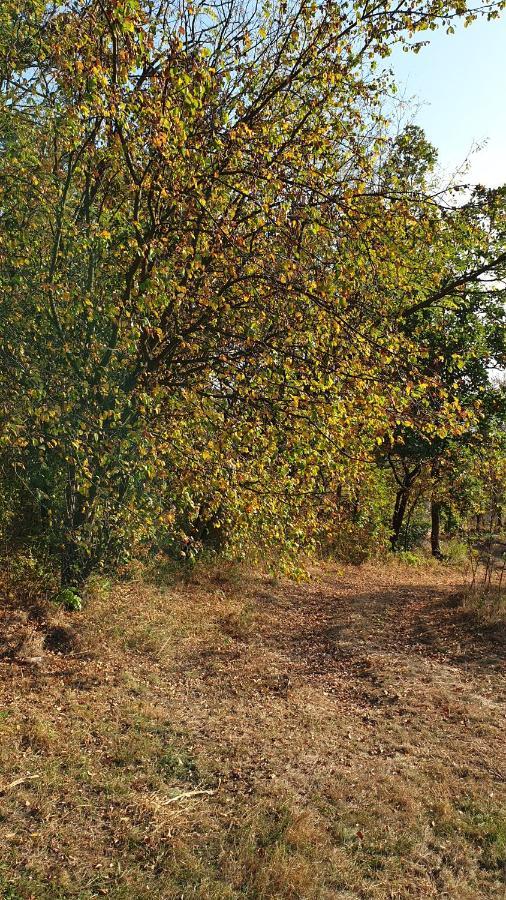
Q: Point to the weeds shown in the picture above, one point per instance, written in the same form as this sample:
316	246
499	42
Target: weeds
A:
487	604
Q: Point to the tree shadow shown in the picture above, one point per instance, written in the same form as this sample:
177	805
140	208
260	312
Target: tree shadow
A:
425	621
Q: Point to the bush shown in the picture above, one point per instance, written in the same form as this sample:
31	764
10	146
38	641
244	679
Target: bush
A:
456	552
410	558
27	578
69	600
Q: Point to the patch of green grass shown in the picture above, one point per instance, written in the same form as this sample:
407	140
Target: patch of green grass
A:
272	828
486	828
28	887
7	892
177	764
370	850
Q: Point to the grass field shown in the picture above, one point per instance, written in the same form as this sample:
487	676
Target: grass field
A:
238	736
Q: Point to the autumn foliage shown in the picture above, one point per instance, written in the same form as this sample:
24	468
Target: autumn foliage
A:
226	287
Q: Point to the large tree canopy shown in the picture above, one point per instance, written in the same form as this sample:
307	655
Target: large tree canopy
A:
210	249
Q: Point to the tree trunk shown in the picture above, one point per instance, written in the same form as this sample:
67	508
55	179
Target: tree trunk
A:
401	502
71	574
435	520
73	561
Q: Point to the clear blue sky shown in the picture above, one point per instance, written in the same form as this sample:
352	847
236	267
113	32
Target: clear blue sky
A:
460	82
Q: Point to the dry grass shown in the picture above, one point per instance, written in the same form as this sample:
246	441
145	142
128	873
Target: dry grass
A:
487	604
233	736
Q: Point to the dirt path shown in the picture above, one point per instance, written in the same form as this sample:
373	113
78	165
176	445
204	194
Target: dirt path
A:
374	699
390	669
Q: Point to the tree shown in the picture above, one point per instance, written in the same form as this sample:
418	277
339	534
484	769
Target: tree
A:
463	335
190	221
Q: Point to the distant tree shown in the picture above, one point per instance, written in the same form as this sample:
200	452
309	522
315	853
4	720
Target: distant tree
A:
462	333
